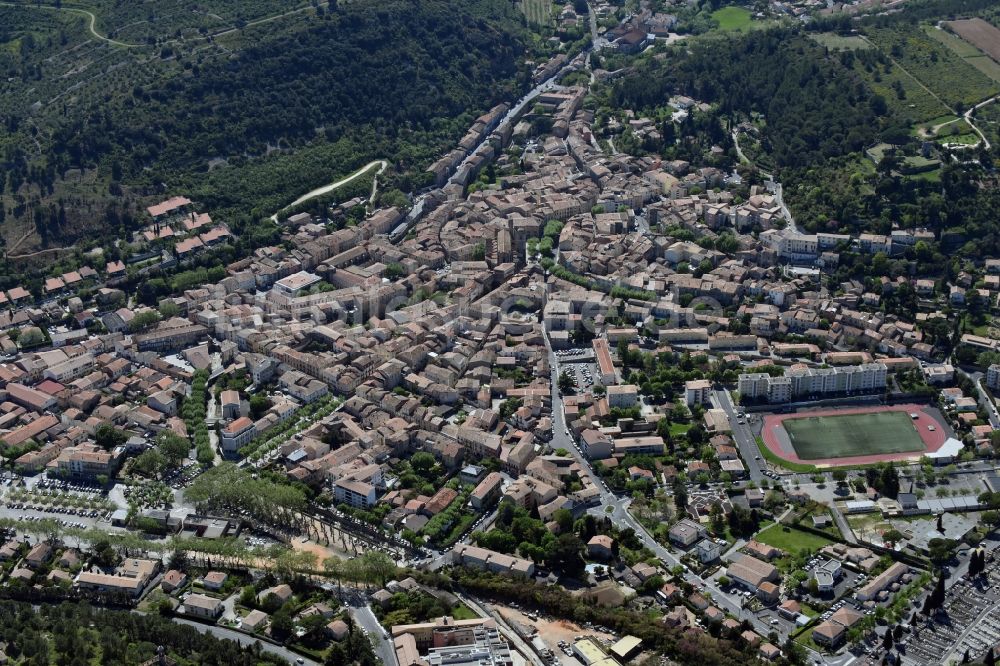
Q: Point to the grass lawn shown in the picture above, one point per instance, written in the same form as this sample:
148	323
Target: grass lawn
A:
732	19
538	12
961	139
962	48
805	639
781	462
940	120
928	176
808	610
819	437
678	429
832	40
462	612
791	541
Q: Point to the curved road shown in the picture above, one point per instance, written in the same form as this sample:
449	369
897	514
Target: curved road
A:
91	27
320	191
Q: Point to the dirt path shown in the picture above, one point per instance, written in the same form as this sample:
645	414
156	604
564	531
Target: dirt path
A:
92	26
38	252
320	191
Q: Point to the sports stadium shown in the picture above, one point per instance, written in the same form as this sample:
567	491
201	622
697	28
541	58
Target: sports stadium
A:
854	436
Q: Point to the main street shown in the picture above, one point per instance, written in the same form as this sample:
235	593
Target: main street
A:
742	435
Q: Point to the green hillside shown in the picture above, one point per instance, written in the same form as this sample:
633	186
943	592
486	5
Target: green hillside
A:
232	103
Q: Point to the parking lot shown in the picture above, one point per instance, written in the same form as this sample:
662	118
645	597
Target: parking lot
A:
183	476
69	504
583	371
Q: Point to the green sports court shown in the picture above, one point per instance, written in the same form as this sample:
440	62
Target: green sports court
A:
841	436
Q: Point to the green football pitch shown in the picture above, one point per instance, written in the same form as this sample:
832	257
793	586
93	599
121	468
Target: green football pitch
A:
818	437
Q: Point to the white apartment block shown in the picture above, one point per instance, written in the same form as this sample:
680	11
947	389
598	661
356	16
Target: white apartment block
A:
697	392
803	382
792	245
993	377
623	396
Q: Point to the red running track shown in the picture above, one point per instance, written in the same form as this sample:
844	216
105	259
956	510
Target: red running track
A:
773	430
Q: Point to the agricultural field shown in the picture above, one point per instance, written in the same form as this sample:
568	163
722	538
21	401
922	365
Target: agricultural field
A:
982	35
938	68
836	42
916	103
967	52
732	19
538	12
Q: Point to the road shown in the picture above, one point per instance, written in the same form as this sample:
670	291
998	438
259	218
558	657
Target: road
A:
616	508
968	118
984	397
842	525
742	435
91	26
363	616
243	639
320	191
512	636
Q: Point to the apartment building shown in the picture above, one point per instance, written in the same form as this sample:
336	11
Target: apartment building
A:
238	434
88	461
355	493
622	396
993	377
804	382
697	392
482	558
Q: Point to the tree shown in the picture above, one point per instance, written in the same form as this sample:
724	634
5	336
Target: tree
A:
887	639
108	437
892	537
567	381
940	550
143	320
422	462
889	479
378	566
564	553
281	622
717	519
680	495
150	463
259	404
173	447
936	598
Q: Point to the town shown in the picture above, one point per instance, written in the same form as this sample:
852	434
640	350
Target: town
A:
568	406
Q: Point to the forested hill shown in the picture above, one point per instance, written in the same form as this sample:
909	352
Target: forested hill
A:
394	65
330	89
814	107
